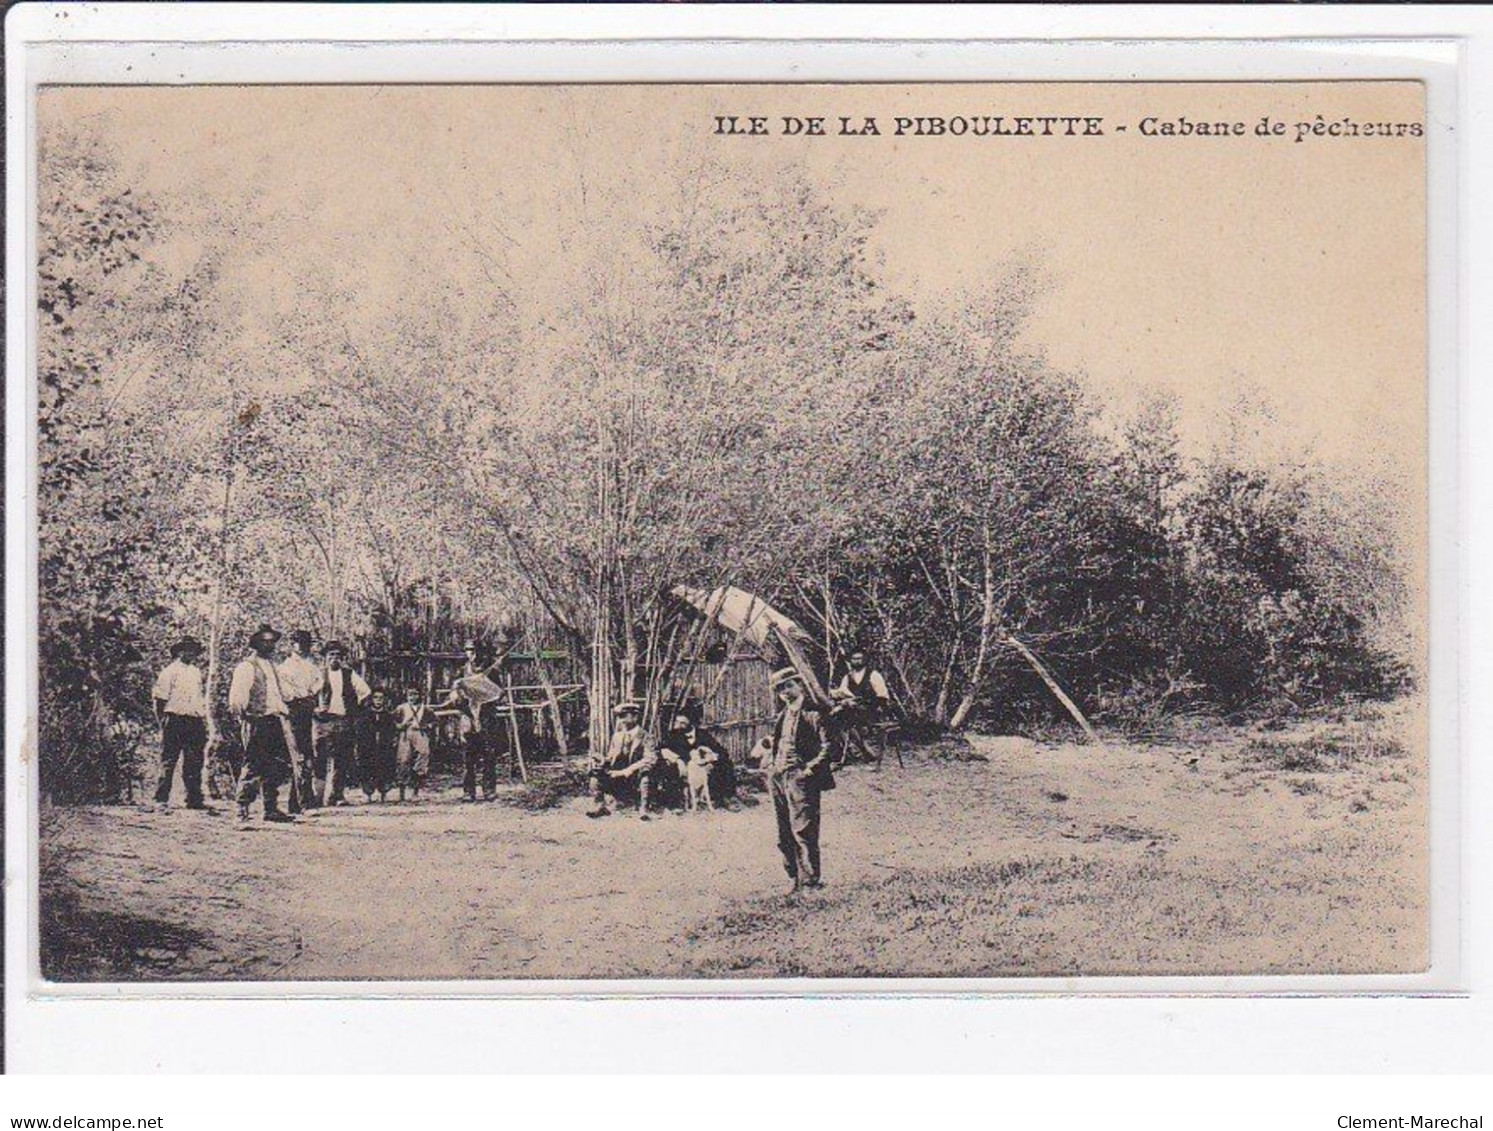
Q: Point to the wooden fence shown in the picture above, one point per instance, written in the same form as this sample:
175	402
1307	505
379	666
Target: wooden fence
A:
736	700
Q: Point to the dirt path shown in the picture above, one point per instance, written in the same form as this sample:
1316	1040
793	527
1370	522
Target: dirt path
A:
1042	859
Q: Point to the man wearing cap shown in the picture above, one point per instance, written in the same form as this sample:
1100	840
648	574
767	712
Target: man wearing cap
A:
798	772
181	709
255	697
300	682
626	769
339	701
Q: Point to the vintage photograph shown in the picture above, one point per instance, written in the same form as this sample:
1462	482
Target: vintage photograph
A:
512	532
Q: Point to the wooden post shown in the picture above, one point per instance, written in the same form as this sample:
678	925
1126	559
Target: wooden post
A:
554	704
518	746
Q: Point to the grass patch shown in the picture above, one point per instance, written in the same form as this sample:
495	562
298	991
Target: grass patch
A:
1325	752
551	785
894	926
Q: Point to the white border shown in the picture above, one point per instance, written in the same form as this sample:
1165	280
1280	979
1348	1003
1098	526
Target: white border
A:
70	47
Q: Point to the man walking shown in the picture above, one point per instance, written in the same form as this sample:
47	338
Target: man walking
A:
300	681
798	773
181	709
340	701
255	698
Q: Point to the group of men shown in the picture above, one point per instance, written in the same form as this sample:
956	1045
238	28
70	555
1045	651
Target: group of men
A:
302	723
314	725
797	758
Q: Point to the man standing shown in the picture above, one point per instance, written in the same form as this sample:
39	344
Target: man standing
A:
477	696
181	709
626	769
798	773
340	700
255	697
300	681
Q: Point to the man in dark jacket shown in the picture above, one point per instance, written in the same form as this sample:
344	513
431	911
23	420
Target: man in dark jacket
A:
798	773
685	737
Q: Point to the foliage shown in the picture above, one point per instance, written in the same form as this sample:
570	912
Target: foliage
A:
720	390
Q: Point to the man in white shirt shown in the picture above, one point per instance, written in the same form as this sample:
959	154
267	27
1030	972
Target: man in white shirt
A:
255	697
338	705
300	682
860	701
181	709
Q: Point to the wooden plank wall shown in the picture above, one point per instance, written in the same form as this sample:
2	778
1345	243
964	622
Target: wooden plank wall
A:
737	701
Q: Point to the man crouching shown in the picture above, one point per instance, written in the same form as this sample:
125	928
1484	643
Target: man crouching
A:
626	769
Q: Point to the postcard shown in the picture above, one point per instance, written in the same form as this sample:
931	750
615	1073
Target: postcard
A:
731	532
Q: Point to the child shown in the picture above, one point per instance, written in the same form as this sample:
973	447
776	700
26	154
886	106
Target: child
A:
413	759
382	724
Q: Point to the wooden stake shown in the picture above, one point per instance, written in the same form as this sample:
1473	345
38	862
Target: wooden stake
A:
1052	685
518	746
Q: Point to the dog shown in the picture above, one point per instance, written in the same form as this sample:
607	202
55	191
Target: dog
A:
697	778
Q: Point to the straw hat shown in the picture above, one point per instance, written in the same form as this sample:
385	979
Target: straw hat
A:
785	675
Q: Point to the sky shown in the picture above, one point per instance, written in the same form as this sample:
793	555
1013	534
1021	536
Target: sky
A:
1204	266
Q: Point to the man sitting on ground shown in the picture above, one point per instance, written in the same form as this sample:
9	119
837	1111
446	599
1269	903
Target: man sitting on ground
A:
685	737
625	770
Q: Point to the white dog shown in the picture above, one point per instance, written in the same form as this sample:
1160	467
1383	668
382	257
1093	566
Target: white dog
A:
697	778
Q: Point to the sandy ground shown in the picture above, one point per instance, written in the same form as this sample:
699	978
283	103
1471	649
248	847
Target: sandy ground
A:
1240	852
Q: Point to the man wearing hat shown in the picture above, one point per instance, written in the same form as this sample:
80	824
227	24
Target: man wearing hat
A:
255	697
300	682
798	772
339	704
477	698
626	769
181	709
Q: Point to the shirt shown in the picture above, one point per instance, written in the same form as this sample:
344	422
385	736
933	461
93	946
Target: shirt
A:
336	685
785	749
874	678
180	686
255	690
628	747
300	678
414	718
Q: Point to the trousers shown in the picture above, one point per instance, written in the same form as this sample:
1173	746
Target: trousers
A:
336	756
301	726
183	737
479	754
626	790
795	800
266	761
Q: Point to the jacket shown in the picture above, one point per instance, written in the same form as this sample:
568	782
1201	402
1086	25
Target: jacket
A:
810	745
